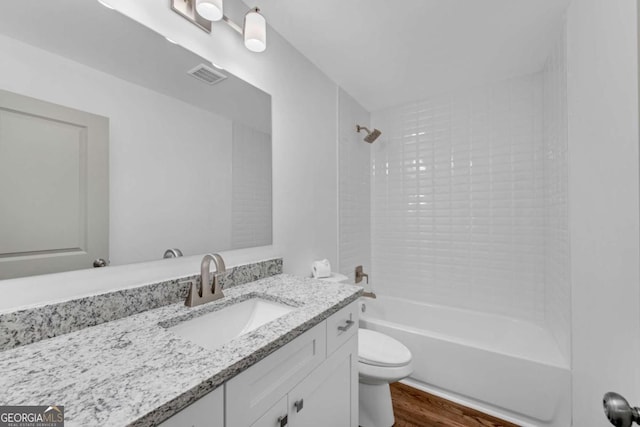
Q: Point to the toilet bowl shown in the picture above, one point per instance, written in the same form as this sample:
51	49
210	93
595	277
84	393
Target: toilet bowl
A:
381	361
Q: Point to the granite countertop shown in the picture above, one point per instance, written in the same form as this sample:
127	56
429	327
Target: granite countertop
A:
133	371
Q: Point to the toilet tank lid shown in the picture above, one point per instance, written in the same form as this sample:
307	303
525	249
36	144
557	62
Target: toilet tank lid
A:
375	348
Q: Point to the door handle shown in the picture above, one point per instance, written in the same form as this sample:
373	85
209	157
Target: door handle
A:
283	420
299	405
618	411
100	262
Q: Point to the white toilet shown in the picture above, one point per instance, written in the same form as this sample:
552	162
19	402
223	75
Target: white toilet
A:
381	361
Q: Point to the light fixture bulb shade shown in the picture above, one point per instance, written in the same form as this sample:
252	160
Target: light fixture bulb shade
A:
255	31
210	10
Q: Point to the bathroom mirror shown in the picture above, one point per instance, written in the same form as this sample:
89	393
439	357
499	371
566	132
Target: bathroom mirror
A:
189	144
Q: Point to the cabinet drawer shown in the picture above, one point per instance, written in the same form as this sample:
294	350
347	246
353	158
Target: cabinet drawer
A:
274	416
251	393
341	326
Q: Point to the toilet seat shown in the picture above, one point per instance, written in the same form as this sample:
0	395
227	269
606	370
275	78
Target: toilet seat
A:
380	350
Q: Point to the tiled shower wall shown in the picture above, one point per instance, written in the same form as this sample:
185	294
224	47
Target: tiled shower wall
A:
458	200
354	187
469	203
556	262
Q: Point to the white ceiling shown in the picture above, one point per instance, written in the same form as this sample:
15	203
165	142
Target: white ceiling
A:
389	52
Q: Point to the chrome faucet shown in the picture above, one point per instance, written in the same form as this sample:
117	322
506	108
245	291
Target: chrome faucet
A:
208	291
172	253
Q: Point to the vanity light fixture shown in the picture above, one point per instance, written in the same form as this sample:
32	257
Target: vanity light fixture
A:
255	31
203	12
210	10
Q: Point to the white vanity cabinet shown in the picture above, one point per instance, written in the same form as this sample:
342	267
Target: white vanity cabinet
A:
311	381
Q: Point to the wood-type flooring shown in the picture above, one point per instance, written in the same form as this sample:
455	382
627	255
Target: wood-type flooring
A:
415	408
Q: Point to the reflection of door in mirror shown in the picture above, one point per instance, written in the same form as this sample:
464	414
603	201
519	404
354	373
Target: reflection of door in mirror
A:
55	187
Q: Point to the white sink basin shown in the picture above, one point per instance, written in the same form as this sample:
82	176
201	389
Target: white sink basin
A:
215	329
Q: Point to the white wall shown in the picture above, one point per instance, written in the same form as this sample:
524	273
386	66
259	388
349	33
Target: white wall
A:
304	126
355	190
557	284
160	152
602	63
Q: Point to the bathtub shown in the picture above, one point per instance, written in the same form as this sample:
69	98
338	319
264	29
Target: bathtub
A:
503	366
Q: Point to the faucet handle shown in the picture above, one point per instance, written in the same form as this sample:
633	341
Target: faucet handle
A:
193	296
360	274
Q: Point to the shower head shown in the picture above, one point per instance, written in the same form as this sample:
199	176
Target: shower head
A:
371	135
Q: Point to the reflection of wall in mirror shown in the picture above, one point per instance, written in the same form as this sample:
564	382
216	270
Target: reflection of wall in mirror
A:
251	206
170	185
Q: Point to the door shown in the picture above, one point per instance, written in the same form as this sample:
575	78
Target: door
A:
54	187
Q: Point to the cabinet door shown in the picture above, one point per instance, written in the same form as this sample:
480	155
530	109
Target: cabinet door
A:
206	412
329	395
274	417
252	392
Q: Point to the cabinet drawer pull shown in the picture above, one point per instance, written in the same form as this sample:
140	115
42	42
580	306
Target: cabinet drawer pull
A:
348	324
299	405
283	420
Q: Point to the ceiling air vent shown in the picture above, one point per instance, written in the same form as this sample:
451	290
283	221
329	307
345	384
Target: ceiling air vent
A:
207	74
